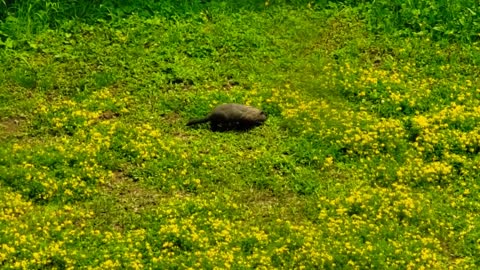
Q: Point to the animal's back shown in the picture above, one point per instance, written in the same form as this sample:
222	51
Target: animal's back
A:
233	116
231	111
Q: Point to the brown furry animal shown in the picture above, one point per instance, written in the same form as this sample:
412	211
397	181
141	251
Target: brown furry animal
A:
232	116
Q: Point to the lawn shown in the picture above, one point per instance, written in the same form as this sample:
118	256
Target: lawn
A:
369	157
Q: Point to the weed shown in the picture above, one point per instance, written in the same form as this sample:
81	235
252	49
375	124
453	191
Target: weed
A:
25	77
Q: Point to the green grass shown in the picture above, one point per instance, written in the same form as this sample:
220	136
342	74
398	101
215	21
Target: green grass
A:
369	157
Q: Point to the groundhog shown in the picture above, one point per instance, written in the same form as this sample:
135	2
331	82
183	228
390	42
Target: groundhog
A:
232	116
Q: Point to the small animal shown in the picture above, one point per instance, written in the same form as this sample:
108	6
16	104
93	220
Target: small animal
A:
232	116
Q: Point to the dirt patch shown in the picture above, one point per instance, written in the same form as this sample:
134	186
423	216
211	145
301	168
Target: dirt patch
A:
108	115
122	203
265	205
131	195
229	84
182	136
11	127
171	118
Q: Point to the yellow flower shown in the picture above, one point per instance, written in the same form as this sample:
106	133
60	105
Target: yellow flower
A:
421	120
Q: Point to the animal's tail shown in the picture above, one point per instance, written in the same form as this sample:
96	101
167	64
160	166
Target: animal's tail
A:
197	121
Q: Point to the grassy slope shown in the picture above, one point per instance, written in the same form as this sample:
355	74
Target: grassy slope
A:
368	159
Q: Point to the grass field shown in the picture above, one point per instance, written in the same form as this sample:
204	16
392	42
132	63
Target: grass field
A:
369	157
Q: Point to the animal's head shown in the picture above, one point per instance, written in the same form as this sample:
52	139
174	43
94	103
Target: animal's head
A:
262	116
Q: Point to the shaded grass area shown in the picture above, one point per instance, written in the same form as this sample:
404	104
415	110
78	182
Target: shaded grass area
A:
368	158
437	19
